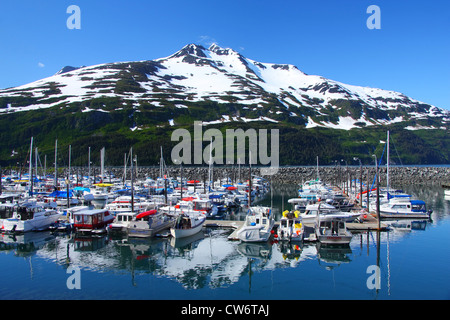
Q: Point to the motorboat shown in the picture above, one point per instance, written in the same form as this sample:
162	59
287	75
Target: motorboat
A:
92	221
121	222
327	212
300	204
149	224
333	231
290	227
125	204
187	225
404	208
31	216
257	226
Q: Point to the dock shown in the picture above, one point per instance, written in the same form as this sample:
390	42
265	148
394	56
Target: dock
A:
369	224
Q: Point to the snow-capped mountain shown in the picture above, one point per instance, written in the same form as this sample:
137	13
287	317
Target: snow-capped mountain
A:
257	91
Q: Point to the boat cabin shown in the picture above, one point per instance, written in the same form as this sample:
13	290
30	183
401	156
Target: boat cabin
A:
332	227
202	205
91	219
7	210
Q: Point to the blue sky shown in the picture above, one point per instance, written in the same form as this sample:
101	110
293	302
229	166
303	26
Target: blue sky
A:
409	54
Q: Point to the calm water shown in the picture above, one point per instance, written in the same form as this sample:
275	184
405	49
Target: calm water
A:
413	264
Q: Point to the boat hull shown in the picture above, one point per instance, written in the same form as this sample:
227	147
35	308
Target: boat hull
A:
142	230
338	240
182	233
253	234
41	223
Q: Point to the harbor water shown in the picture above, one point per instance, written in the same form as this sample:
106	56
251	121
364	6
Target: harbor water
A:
407	262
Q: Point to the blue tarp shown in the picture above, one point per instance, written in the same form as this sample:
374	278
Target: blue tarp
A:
60	194
81	189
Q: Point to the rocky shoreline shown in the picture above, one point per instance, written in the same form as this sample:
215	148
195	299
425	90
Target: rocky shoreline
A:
397	175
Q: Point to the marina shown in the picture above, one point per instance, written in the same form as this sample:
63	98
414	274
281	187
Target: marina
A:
132	263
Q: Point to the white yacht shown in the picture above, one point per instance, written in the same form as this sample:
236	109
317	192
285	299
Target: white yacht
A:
30	216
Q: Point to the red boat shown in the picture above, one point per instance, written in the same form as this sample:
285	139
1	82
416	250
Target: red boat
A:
92	221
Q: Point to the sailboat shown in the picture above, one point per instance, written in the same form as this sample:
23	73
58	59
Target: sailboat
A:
401	205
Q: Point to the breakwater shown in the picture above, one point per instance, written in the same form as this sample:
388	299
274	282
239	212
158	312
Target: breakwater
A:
331	174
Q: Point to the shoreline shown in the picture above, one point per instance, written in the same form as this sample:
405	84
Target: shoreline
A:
295	174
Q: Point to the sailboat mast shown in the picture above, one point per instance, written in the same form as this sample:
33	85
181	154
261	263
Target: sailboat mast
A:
70	156
387	171
102	162
250	179
89	165
30	169
56	164
318	176
132	180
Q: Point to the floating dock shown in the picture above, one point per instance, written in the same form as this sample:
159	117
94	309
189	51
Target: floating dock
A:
370	224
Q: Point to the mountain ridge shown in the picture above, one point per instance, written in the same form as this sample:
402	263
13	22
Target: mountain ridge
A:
223	75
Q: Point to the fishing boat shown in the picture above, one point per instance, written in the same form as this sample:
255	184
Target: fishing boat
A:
333	231
290	227
92	221
404	208
149	224
31	216
187	225
258	225
327	212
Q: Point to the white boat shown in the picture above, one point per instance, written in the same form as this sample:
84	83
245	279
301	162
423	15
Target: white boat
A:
101	192
124	204
290	227
333	231
327	212
404	208
121	222
300	203
187	225
30	216
258	225
149	223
